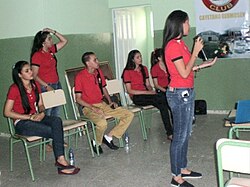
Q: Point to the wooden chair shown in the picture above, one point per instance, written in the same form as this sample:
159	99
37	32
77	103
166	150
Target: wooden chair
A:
71	127
115	87
233	156
28	142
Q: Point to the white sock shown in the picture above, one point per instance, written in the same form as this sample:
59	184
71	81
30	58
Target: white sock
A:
94	142
109	139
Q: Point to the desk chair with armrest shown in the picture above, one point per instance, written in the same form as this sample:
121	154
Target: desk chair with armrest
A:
115	87
147	110
78	112
233	156
235	129
70	127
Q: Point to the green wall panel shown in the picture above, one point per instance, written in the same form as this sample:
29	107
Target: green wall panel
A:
13	50
221	86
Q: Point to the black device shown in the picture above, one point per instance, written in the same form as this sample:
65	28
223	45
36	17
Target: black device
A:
202	55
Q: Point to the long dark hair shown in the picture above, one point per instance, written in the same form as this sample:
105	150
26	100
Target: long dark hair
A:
39	38
155	55
131	65
173	28
17	68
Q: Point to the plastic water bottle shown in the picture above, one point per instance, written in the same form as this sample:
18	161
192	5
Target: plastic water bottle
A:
71	157
126	139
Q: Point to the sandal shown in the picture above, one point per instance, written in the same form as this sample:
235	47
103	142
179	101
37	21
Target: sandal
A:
60	166
61	172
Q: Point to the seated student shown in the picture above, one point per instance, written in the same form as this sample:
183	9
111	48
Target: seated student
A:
89	91
159	74
24	105
136	79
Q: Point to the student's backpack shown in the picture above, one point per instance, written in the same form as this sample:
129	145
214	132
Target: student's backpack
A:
200	107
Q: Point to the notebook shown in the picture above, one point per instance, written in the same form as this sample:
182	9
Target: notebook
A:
242	112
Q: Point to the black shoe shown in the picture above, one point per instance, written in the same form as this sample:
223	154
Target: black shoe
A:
94	148
110	144
192	175
184	184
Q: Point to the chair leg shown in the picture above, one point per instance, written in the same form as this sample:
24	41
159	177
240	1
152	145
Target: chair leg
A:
89	140
79	131
11	154
121	142
143	128
41	152
148	118
28	159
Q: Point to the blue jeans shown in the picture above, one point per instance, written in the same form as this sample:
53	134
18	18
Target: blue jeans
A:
48	127
55	111
181	102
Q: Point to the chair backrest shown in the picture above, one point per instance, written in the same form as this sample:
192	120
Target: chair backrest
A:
77	112
232	156
53	98
115	87
128	100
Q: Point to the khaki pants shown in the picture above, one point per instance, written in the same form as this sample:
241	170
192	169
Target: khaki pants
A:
124	116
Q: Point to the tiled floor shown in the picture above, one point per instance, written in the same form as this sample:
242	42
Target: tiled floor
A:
147	164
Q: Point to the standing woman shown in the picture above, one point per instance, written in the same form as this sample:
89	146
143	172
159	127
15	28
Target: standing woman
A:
180	93
44	62
136	79
25	107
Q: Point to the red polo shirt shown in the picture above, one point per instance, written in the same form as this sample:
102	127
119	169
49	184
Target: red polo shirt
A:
87	84
47	63
135	78
177	49
14	95
160	75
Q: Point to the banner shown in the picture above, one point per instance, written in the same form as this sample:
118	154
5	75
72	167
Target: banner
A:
224	26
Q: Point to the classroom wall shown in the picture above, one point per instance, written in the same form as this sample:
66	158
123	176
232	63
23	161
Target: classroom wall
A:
13	50
88	26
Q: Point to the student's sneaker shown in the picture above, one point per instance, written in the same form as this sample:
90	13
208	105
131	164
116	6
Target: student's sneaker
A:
184	184
192	175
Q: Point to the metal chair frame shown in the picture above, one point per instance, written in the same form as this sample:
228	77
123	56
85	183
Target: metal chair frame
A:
28	142
71	127
233	156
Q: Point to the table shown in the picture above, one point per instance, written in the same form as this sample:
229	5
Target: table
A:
236	128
